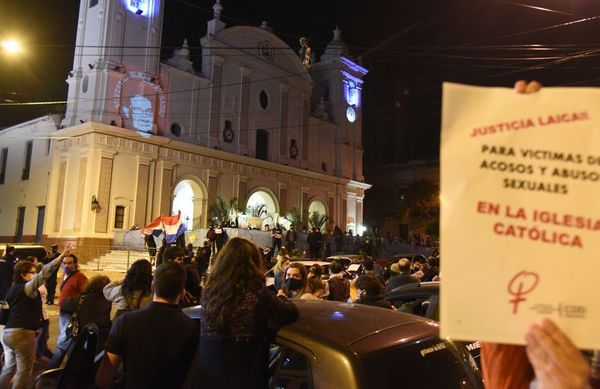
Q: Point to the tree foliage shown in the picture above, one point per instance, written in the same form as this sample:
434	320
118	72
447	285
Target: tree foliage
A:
294	216
316	220
223	209
420	208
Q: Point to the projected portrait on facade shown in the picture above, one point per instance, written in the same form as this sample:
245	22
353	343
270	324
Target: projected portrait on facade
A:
141	112
136	96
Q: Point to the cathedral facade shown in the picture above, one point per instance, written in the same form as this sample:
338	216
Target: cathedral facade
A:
141	138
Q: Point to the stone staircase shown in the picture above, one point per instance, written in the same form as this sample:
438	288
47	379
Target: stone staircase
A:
115	260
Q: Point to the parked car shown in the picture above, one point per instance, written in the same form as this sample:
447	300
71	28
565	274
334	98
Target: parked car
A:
347	259
352	346
417	298
23	250
423	299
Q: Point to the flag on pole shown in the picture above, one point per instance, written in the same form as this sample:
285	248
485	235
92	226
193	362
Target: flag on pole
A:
171	226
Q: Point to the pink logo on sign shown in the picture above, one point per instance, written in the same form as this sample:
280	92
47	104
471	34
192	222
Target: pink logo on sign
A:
521	284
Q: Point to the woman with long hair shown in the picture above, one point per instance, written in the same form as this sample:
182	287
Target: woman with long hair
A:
134	291
283	261
24	318
240	316
296	277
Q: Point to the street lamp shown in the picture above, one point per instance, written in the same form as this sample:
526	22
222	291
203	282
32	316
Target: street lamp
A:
11	46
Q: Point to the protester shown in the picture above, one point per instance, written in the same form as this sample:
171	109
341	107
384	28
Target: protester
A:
315	289
291	236
240	316
7	265
203	258
73	283
51	281
211	236
369	290
314	240
400	275
221	237
156	344
150	244
92	307
25	304
192	286
277	237
339	287
283	262
296	277
134	291
316	271
43	333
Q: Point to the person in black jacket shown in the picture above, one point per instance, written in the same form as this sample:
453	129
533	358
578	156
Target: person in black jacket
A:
51	281
240	316
25	316
94	308
369	290
7	264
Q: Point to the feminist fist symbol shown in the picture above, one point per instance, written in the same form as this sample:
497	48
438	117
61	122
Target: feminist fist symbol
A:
522	283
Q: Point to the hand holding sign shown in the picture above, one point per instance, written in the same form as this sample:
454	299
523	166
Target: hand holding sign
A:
558	364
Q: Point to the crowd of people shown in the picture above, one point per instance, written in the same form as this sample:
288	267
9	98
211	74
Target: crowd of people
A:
149	342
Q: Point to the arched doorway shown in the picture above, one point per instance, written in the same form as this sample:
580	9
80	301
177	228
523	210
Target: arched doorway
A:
317	206
262	208
189	197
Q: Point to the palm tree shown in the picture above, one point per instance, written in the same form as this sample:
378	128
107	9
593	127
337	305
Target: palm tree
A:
223	209
294	216
316	220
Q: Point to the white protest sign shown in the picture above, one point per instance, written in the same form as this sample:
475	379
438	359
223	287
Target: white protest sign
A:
520	212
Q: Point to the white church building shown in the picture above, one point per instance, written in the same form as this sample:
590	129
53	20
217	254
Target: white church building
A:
141	138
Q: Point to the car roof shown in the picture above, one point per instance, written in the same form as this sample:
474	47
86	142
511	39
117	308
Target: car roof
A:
310	262
343	325
425	288
340	325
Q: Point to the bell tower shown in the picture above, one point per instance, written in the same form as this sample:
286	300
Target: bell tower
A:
116	63
338	86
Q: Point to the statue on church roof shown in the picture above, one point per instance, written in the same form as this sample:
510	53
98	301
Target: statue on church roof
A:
305	52
321	112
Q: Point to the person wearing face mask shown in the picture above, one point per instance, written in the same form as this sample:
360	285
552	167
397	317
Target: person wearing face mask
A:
296	277
25	304
369	290
72	285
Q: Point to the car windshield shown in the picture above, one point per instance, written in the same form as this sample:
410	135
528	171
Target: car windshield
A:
429	364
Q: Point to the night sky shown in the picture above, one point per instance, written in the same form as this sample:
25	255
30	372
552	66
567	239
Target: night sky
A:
410	46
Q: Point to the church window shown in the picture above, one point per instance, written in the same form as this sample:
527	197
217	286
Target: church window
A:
84	84
263	99
27	164
93	3
119	216
176	129
262	145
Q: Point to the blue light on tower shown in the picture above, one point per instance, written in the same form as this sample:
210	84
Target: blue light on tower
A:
352	89
139	7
